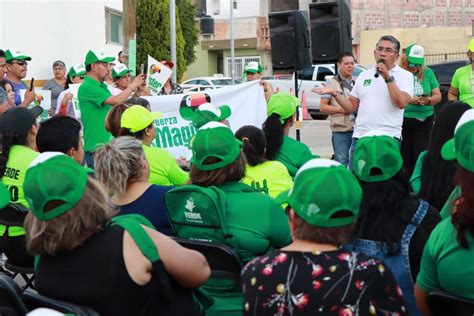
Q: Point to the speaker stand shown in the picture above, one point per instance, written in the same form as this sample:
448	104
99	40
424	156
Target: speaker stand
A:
298	135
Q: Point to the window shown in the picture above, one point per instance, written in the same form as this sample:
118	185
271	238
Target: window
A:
306	74
323	72
240	62
113	26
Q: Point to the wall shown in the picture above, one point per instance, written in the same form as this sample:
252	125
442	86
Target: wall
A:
51	30
204	66
434	39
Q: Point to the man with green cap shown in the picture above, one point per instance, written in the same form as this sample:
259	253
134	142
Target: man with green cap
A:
253	71
17	67
95	101
462	87
312	275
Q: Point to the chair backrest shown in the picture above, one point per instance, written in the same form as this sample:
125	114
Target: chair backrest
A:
34	300
13	215
441	303
199	213
11	301
223	260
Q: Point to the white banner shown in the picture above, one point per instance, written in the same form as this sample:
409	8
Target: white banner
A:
157	75
42	98
173	132
74	88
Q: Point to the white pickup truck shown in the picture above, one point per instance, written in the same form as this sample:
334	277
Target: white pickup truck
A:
308	78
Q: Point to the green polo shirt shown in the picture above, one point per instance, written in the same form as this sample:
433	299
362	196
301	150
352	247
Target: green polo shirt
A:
269	177
422	87
91	96
293	155
447	209
415	180
445	265
19	159
462	81
164	170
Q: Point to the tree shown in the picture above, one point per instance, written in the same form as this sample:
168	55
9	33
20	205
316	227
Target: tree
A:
153	38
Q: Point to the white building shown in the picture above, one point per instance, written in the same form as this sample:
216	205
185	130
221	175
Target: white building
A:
60	29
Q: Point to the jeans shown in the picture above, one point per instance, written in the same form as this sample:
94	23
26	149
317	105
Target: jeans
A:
415	134
341	143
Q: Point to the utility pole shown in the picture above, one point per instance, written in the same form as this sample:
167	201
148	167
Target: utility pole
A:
129	25
232	47
173	37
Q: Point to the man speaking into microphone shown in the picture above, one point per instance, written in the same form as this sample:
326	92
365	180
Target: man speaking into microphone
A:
380	94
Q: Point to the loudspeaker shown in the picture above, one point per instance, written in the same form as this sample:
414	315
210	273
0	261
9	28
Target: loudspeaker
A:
290	40
330	30
283	5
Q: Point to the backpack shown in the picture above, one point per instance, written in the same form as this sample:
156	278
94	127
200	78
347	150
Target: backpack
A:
199	213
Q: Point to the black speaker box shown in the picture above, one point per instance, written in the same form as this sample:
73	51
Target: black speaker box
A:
330	30
290	40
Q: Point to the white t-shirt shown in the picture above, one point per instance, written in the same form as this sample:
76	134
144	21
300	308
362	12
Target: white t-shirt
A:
376	110
114	90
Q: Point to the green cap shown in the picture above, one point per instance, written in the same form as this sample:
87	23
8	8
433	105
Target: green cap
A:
206	113
137	118
4	196
377	157
253	67
216	140
283	104
77	70
15	54
322	188
461	147
120	70
54	176
94	56
415	54
471	45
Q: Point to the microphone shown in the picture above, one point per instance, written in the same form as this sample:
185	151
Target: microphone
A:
376	75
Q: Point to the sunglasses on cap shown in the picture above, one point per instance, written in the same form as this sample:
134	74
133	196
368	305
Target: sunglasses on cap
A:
20	63
413	65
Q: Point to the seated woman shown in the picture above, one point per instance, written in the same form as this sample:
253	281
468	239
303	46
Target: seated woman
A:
446	264
253	219
433	176
86	260
18	129
137	121
312	276
267	176
281	111
393	225
122	168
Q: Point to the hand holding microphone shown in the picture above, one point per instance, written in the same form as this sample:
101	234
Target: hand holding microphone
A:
380	62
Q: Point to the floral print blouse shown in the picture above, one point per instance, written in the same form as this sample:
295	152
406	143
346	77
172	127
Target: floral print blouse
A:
322	283
175	89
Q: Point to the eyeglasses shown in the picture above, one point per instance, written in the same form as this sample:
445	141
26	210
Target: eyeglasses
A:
414	65
386	50
20	63
81	77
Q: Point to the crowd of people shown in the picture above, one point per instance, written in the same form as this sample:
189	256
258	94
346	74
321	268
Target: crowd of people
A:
372	232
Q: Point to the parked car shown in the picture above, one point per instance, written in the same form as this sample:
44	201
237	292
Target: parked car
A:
308	79
444	72
205	83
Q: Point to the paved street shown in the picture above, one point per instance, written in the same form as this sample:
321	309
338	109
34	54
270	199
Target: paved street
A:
317	135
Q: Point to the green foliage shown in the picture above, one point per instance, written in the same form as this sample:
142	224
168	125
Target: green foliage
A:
153	35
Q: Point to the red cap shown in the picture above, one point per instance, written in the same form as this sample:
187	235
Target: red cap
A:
167	63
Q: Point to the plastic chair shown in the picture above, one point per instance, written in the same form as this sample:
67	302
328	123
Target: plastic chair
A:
441	303
11	301
14	215
34	300
223	260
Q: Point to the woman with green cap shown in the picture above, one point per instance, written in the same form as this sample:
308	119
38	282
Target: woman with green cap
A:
255	223
281	109
462	83
446	264
418	115
74	76
312	275
117	266
393	226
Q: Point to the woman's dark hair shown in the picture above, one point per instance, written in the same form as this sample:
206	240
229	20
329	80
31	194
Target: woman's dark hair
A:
463	217
254	144
59	133
3	84
274	132
7	140
382	205
138	101
437	174
68	82
232	172
138	135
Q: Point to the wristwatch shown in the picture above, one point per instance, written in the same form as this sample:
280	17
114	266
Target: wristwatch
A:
389	79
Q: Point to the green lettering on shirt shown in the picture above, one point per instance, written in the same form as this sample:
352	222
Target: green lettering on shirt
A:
367	82
258	188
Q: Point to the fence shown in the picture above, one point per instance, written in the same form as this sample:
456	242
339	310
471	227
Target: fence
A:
240	62
438	57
